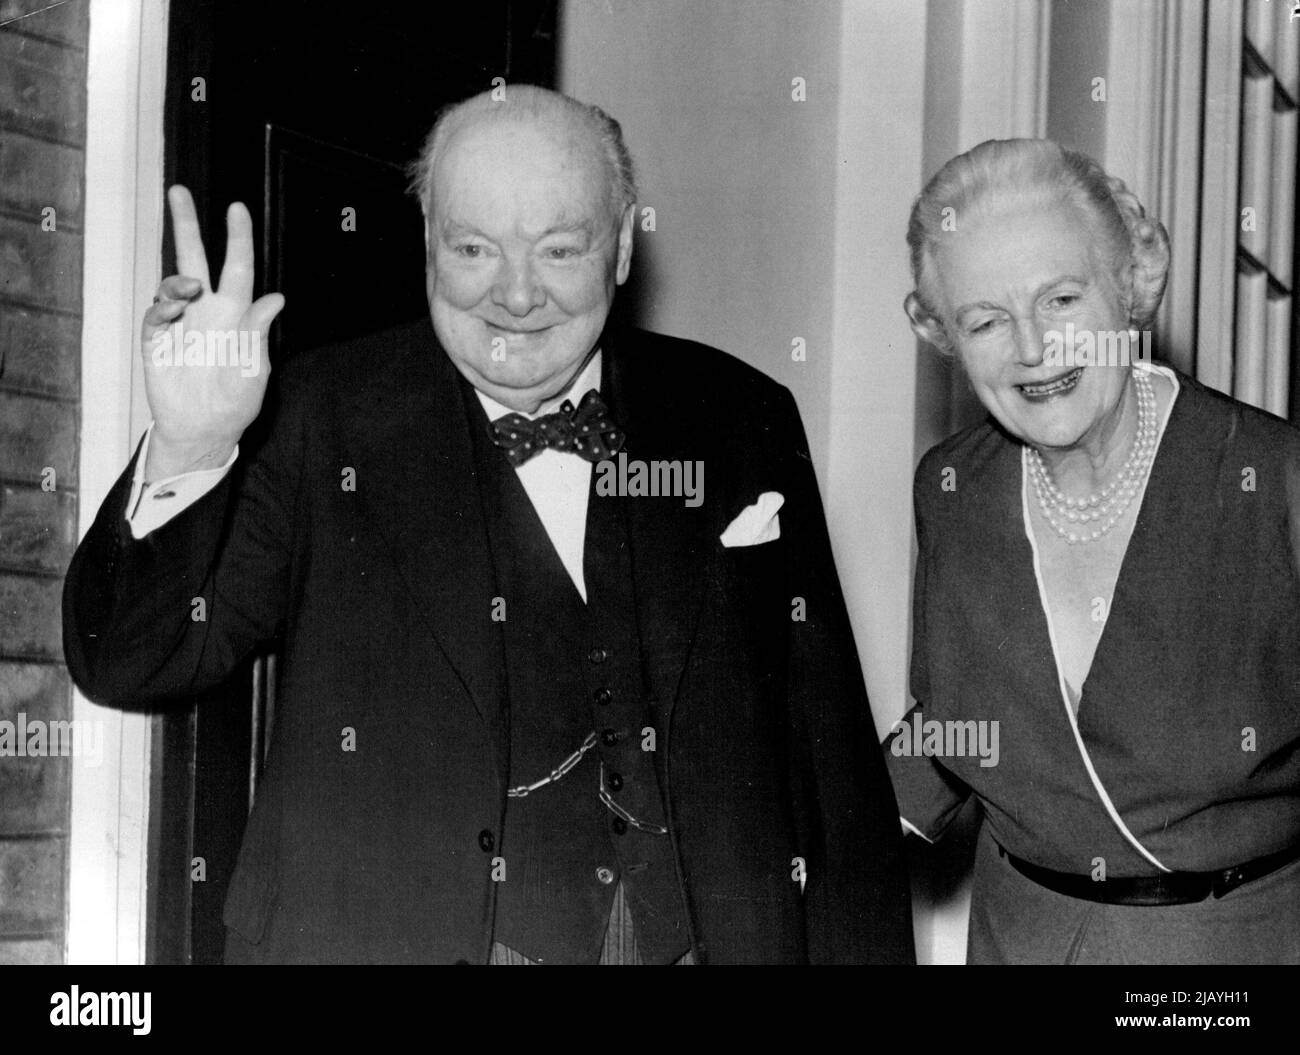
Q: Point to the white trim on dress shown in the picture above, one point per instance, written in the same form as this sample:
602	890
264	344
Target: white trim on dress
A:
1051	630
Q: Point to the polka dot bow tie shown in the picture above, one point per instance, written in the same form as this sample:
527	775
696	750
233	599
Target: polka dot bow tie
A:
588	432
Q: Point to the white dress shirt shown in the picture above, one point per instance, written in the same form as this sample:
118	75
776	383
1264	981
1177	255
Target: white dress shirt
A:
556	483
152	505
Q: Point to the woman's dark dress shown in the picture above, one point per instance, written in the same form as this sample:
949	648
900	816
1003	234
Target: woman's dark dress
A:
1189	720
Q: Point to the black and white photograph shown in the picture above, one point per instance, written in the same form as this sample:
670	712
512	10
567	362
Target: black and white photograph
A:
651	482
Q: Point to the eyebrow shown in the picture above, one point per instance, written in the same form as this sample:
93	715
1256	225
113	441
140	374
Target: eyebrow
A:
578	226
1078	280
452	228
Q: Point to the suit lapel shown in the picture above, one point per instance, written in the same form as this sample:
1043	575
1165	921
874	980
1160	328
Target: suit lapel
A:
671	544
429	509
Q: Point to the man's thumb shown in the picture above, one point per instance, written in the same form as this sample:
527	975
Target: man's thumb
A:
263	311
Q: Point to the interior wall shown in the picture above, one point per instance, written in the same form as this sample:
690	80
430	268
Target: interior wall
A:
738	173
1079	53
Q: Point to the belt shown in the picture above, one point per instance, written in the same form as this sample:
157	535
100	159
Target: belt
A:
1171	888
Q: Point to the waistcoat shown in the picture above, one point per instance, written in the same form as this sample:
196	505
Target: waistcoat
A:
574	668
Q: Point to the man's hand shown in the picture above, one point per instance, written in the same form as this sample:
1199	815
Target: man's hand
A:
201	408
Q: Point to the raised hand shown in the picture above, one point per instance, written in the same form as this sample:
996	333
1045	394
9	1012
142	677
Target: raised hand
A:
205	361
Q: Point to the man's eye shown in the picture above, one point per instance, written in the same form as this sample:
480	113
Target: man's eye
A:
561	252
1063	300
983	327
469	250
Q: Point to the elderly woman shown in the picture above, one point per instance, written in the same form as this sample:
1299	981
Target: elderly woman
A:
1107	603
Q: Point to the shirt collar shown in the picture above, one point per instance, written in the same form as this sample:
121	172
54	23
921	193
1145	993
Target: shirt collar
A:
582	384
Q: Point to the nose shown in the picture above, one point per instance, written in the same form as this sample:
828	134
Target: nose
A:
516	287
1029	342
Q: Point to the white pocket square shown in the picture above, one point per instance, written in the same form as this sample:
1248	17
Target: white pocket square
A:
756	524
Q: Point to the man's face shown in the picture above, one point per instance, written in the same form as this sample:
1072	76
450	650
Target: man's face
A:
524	255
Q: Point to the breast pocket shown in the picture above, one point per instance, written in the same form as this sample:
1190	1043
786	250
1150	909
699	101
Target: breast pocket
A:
755	582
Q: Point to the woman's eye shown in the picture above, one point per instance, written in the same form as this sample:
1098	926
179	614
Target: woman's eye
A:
983	327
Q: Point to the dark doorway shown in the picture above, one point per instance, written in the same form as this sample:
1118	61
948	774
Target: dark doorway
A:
304	111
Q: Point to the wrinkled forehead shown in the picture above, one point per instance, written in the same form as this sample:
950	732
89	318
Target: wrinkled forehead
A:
1017	239
527	171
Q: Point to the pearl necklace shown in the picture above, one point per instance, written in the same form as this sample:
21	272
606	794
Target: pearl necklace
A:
1072	517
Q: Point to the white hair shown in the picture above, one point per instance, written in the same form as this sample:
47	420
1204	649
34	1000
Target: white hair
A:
527	101
999	170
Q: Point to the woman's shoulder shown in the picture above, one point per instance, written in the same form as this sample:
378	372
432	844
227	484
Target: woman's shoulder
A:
1216	418
972	464
1236	448
975	445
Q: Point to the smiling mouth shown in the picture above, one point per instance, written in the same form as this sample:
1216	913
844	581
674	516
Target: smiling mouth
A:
1055	386
513	332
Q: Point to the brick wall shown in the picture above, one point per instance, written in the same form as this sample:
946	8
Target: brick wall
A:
42	154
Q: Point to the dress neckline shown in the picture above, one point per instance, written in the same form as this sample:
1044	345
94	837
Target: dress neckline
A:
1071	699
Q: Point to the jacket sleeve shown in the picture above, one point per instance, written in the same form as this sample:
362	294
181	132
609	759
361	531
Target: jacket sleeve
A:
161	618
928	796
857	898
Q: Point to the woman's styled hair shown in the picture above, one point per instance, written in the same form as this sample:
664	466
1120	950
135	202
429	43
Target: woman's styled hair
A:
1001	171
515	101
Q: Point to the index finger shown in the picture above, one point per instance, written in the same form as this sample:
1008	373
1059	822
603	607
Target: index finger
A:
191	260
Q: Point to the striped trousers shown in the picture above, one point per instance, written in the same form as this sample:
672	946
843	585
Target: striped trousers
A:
619	947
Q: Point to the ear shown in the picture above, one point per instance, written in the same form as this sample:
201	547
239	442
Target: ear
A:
925	325
625	228
1150	271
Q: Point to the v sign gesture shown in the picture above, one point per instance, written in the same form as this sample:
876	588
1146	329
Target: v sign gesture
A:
201	402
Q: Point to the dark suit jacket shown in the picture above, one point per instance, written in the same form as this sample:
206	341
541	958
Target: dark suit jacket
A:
381	598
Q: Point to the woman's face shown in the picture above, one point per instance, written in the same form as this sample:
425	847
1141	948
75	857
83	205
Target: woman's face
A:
1008	279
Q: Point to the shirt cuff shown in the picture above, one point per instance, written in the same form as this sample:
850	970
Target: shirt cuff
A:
153	505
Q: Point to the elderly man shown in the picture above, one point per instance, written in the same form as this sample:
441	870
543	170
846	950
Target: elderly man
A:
544	697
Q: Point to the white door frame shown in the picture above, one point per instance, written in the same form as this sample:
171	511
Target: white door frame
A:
125	83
